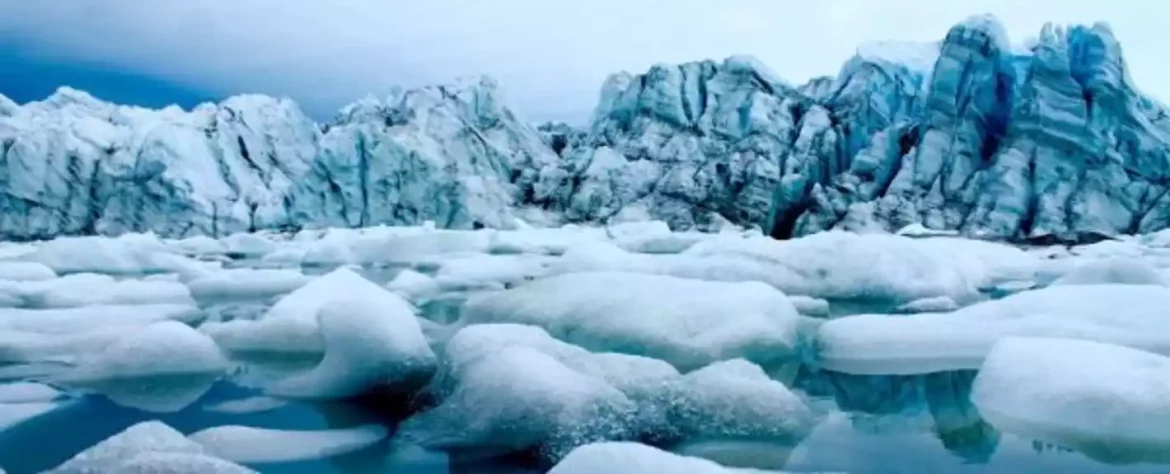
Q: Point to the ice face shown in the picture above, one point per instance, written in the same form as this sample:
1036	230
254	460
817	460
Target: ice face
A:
966	134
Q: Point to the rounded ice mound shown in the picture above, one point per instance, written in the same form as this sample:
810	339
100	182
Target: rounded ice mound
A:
688	323
645	381
736	399
520	399
1117	270
163	348
145	437
634	458
933	342
261	445
369	343
160	368
290	325
1110	402
413	285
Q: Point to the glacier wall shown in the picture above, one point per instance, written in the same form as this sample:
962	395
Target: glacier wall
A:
1047	143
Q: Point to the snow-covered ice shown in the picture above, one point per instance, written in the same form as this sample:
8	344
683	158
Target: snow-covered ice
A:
247	283
369	343
163	348
1101	398
256	404
636	458
518	399
15	270
291	325
689	323
145	437
247	444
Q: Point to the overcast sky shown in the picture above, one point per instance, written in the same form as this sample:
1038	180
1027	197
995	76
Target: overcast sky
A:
550	55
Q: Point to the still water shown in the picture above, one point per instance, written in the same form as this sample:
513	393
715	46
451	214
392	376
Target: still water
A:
870	424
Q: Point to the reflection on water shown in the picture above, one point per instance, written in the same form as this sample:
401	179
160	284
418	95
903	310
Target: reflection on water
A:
871	424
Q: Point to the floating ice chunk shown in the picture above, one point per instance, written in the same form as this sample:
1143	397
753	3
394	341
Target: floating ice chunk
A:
1103	399
635	458
413	285
810	306
937	304
12	414
518	399
924	343
371	341
1128	271
124	255
89	318
25	392
689	323
145	437
177	463
260	445
841	265
248	245
482	271
18	346
247	405
291	324
736	398
919	230
247	283
25	271
635	376
199	245
87	289
542	241
164	348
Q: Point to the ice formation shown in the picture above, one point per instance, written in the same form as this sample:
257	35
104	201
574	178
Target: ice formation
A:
931	342
1104	399
150	446
689	323
967	135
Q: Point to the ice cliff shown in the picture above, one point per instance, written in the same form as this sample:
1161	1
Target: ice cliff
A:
1046	143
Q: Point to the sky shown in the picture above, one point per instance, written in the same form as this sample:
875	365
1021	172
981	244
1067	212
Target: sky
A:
551	56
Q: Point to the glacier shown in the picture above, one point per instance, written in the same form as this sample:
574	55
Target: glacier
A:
1045	143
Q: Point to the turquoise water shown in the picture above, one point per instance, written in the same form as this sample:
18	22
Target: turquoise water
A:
874	424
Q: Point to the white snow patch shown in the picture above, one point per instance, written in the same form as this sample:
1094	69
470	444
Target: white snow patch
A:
145	437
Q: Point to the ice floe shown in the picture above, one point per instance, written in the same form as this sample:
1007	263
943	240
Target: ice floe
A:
246	444
1130	315
1108	401
686	322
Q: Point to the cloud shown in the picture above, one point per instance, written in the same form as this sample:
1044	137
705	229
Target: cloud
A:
551	56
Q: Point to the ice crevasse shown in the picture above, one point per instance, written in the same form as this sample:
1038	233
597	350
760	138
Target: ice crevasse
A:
1046	143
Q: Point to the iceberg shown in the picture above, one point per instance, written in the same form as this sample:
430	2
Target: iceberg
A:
967	135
